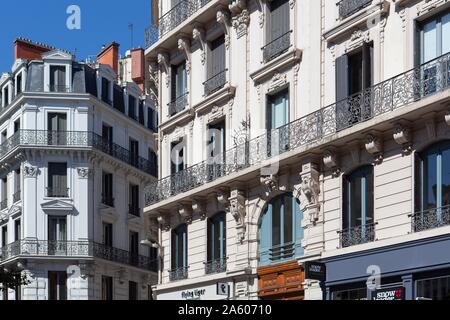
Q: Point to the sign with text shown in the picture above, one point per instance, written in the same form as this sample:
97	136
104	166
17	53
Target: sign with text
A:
315	271
222	289
396	293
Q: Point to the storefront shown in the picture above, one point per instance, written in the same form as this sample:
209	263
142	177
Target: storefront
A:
209	291
281	282
416	270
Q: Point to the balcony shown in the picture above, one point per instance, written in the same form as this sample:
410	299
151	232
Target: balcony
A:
276	47
430	219
216	266
77	249
80	139
173	18
16	196
381	99
349	7
178	274
179	104
357	235
108	200
215	83
134	210
57	192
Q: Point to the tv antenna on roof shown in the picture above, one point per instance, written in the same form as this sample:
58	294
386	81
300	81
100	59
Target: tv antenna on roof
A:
131	27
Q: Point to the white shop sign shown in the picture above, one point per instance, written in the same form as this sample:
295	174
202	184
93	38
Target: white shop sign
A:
201	293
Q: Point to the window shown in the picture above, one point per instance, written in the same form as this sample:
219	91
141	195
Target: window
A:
57	180
153	158
107	137
278	29
57	127
216	66
132	290
16	125
57	286
216	149
134	200
134	247
351	294
118	96
107	189
4	236
17	186
19	84
433	186
58	79
354	75
4	136
134	152
358	219
4	202
132	107
108	234
216	260
106	91
280	230
178	156
152	119
141	112
17	230
57	235
107	288
179	253
277	119
178	88
434	289
434	37
6	96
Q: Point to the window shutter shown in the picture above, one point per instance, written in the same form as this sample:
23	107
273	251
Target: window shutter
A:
298	227
265	236
61	78
279	19
367	65
342	90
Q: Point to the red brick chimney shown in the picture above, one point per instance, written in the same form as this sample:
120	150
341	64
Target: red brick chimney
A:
110	56
26	49
137	67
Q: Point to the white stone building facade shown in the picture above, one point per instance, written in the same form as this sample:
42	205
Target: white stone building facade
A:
299	130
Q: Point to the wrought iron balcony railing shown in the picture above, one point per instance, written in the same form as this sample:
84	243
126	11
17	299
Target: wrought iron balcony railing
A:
179	104
216	266
430	219
58	192
42	248
400	91
215	83
357	235
151	36
4	204
349	7
16	196
37	138
134	210
277	47
108	200
177	274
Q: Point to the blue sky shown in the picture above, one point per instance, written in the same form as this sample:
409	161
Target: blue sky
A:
102	22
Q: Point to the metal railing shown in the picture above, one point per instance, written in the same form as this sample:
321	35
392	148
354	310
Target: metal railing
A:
177	274
402	90
59	192
357	235
179	104
38	138
349	7
215	83
216	266
82	248
16	196
151	35
277	47
134	210
430	219
4	204
278	253
59	88
108	200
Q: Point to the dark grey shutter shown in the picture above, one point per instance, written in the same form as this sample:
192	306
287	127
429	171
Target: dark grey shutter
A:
279	19
216	63
367	65
342	90
62	122
61	78
173	88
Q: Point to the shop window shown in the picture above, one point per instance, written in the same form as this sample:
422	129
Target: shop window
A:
434	289
179	253
216	260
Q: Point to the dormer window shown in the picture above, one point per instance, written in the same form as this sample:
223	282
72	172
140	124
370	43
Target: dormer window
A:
6	96
58	79
132	107
19	84
106	92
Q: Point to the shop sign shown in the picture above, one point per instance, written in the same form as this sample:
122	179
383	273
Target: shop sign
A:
397	293
315	271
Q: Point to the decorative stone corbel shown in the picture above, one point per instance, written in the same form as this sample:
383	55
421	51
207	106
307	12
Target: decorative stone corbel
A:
185	47
237	210
374	146
122	275
185	213
30	171
198	208
240	22
261	18
223	19
330	161
198	34
153	72
310	190
237	6
163	61
222	199
402	136
164	222
270	183
85	173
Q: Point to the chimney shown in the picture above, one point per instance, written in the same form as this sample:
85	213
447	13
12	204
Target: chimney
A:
137	67
110	56
26	49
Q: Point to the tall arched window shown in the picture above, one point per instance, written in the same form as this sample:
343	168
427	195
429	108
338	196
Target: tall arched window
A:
280	230
179	253
217	253
357	222
433	187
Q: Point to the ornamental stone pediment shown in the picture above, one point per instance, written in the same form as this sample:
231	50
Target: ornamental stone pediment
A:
57	207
